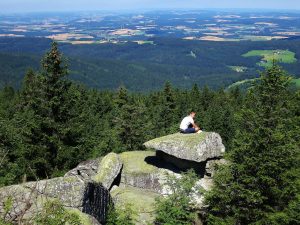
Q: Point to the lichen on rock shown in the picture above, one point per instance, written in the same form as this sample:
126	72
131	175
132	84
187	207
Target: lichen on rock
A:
85	170
108	170
142	202
193	147
29	198
143	169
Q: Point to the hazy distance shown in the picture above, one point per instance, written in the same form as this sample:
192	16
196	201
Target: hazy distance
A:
85	5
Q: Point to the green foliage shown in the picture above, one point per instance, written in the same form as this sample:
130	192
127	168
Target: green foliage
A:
2	222
144	68
261	183
54	213
268	56
120	216
43	118
177	209
10	147
129	124
7	206
51	125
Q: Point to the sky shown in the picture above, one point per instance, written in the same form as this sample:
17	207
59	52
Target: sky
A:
82	5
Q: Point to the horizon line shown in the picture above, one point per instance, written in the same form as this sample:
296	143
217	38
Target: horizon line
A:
154	9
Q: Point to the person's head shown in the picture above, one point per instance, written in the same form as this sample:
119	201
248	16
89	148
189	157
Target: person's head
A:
193	114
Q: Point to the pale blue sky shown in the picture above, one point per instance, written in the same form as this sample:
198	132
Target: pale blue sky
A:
75	5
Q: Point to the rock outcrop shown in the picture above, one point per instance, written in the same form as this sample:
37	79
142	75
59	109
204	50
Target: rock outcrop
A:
29	198
136	178
192	147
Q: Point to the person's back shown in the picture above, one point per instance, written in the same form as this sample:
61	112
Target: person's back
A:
186	122
188	125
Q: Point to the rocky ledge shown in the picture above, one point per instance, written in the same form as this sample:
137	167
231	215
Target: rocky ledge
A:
193	147
136	178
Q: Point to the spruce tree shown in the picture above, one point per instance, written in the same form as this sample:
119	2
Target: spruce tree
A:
167	119
7	98
219	116
260	184
11	169
43	116
129	121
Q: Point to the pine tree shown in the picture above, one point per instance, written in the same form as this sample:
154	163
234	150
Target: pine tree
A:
129	121
10	146
206	98
262	180
7	98
43	116
219	116
167	119
195	98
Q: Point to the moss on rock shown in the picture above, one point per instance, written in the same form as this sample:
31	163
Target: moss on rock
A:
193	147
141	169
134	162
108	170
84	219
190	140
143	202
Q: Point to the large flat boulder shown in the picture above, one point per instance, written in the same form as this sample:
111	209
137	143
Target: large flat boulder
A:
193	147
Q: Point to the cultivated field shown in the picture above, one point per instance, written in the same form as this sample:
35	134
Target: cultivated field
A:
282	56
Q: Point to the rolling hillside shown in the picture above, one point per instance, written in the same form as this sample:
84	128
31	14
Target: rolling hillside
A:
145	67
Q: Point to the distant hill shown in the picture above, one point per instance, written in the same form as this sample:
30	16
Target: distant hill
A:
145	67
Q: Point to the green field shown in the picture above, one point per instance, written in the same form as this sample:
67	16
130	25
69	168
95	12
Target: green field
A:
282	56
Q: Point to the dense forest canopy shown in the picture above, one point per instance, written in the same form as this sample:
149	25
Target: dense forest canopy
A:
182	62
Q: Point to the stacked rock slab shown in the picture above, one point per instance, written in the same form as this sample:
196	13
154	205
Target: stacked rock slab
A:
136	178
193	147
144	173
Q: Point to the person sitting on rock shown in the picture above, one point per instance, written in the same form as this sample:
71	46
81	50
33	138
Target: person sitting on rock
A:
188	126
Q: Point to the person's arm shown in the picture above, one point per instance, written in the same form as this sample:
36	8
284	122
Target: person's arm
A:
195	125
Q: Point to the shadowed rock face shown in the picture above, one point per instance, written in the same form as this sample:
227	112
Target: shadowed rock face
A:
72	192
96	200
183	165
192	147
